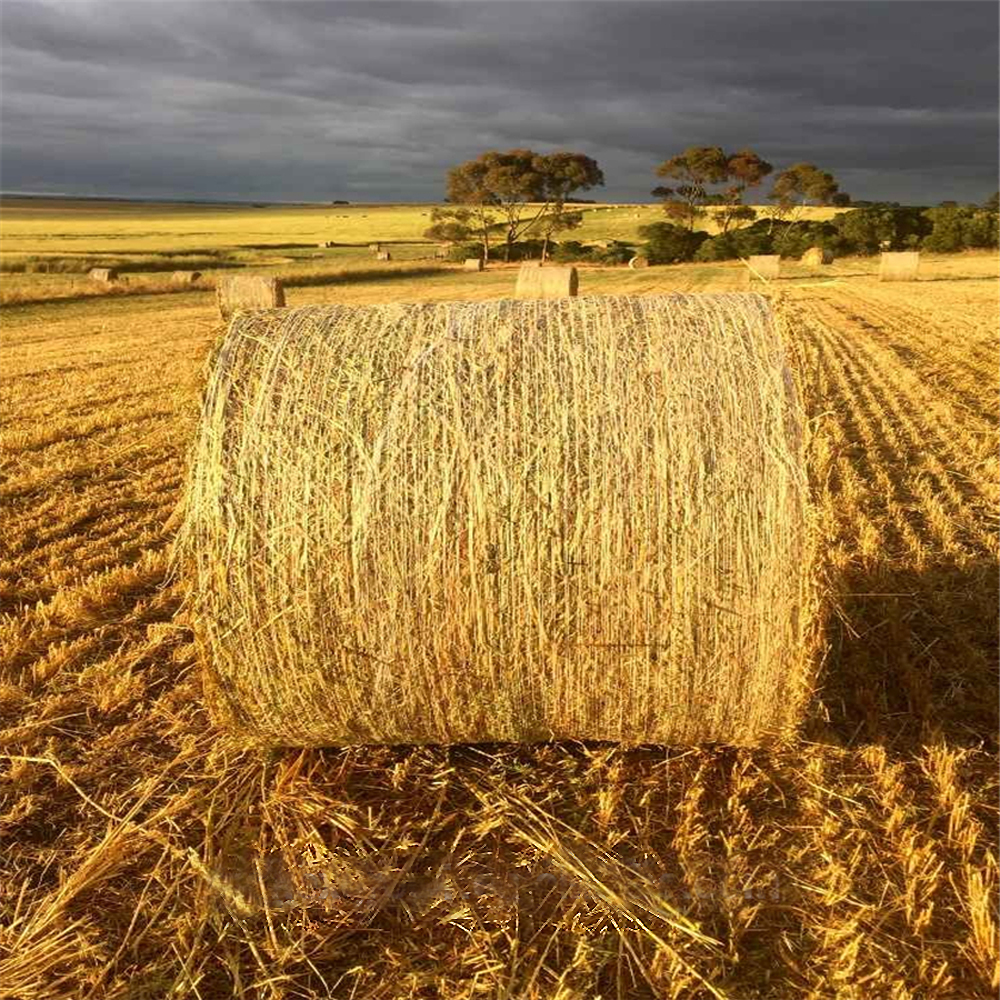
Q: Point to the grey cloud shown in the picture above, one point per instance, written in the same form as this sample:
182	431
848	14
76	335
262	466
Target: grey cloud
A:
375	100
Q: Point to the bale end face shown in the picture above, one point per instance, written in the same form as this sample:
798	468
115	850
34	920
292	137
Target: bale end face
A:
902	266
473	264
105	275
536	282
248	291
638	262
383	255
435	494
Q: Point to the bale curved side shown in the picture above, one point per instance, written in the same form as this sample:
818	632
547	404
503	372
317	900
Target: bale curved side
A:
582	518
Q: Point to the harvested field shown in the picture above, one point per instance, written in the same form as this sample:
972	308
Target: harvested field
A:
857	862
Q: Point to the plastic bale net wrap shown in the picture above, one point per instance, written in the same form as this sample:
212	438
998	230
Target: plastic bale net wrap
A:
471	522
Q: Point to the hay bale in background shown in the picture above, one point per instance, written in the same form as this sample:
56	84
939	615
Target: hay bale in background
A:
383	255
764	266
374	247
184	277
815	256
536	282
106	275
902	266
248	291
473	264
469	522
638	261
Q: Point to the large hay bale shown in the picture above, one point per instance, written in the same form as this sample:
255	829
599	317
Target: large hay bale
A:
106	275
248	291
536	282
816	256
638	261
473	264
764	266
902	266
184	277
383	255
470	522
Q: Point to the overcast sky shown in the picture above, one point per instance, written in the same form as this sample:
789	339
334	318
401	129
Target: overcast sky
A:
373	101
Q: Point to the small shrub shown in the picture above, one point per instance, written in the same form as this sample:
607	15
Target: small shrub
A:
670	244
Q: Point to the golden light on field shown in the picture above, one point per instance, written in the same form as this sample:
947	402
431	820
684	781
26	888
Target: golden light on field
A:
858	861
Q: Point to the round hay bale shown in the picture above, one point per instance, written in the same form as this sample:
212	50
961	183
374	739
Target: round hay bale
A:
248	291
185	277
467	522
473	264
383	255
106	275
537	282
638	261
817	256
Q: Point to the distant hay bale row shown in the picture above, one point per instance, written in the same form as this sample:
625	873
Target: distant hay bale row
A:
468	522
105	275
816	256
473	264
248	291
902	266
537	282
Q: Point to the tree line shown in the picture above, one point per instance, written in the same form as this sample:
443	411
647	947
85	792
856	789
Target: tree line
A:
521	201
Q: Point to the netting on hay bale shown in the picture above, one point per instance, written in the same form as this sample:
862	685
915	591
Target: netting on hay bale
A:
901	266
471	522
248	291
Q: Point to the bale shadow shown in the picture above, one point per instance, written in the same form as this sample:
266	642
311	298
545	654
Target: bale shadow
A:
911	657
366	276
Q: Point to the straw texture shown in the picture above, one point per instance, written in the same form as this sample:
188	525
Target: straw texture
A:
471	522
902	266
247	291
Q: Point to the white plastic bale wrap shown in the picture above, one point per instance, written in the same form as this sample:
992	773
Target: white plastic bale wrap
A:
582	518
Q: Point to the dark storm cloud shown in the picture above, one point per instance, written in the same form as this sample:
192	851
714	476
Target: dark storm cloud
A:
375	100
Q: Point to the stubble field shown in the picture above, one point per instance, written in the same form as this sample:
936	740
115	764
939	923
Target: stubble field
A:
858	862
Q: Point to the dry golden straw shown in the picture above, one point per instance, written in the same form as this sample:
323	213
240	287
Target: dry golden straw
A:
902	266
103	274
536	282
766	266
470	522
248	291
